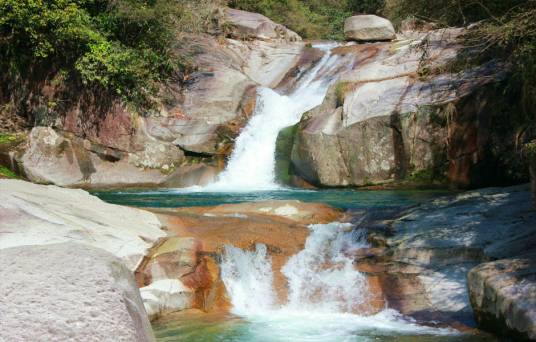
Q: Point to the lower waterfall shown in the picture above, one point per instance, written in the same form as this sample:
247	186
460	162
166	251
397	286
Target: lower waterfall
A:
325	291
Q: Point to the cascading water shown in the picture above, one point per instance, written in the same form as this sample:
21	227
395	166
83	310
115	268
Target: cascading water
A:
321	277
325	292
251	165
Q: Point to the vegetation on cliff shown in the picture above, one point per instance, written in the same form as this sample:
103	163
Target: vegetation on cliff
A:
124	47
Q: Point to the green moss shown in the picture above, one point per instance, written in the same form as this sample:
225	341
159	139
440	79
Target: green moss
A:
530	148
4	171
341	89
7	138
283	151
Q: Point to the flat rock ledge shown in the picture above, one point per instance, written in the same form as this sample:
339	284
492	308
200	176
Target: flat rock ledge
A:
32	214
503	296
69	292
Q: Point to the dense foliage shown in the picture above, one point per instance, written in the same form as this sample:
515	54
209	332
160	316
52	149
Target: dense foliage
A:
313	19
123	46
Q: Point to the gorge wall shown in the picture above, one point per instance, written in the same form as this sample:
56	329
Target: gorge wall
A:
401	114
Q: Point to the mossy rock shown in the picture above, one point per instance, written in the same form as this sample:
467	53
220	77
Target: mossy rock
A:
283	150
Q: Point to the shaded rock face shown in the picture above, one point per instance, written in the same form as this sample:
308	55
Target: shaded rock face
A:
257	26
40	215
532	166
503	296
420	257
69	292
368	28
384	121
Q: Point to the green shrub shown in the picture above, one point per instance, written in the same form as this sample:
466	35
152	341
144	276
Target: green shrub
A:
127	47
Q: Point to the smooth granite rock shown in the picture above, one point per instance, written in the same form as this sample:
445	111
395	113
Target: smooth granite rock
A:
34	214
368	28
69	292
503	296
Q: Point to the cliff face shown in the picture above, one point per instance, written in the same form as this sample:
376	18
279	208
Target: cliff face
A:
96	141
399	115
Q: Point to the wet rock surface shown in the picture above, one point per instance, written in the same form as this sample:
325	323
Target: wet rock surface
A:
421	257
182	271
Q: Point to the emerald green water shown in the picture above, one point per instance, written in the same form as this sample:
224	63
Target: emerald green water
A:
340	198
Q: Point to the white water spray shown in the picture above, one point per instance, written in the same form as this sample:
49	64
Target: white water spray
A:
251	165
324	292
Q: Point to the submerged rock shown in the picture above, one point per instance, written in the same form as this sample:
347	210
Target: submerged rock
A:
503	296
69	292
368	28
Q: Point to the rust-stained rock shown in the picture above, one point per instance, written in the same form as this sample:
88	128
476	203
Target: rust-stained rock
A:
280	225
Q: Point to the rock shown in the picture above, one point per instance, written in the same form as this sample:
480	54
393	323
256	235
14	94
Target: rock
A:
280	225
257	26
39	215
165	296
176	276
503	296
368	28
532	168
384	122
301	212
423	254
69	292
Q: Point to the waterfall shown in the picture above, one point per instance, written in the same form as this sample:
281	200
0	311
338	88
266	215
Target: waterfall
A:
251	164
324	292
321	278
248	278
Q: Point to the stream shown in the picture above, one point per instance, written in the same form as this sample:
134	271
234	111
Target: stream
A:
326	292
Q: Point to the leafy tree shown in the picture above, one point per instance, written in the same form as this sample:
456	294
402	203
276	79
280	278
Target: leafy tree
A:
126	47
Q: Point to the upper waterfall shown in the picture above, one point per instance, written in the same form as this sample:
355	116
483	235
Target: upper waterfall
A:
252	162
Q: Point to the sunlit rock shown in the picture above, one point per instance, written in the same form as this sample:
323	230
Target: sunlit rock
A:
503	296
68	292
38	215
368	28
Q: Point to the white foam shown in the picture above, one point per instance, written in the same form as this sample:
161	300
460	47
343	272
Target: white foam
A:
252	162
324	292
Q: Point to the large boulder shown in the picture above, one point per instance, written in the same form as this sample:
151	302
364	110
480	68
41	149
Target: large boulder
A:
257	26
69	292
395	116
503	296
368	28
39	215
